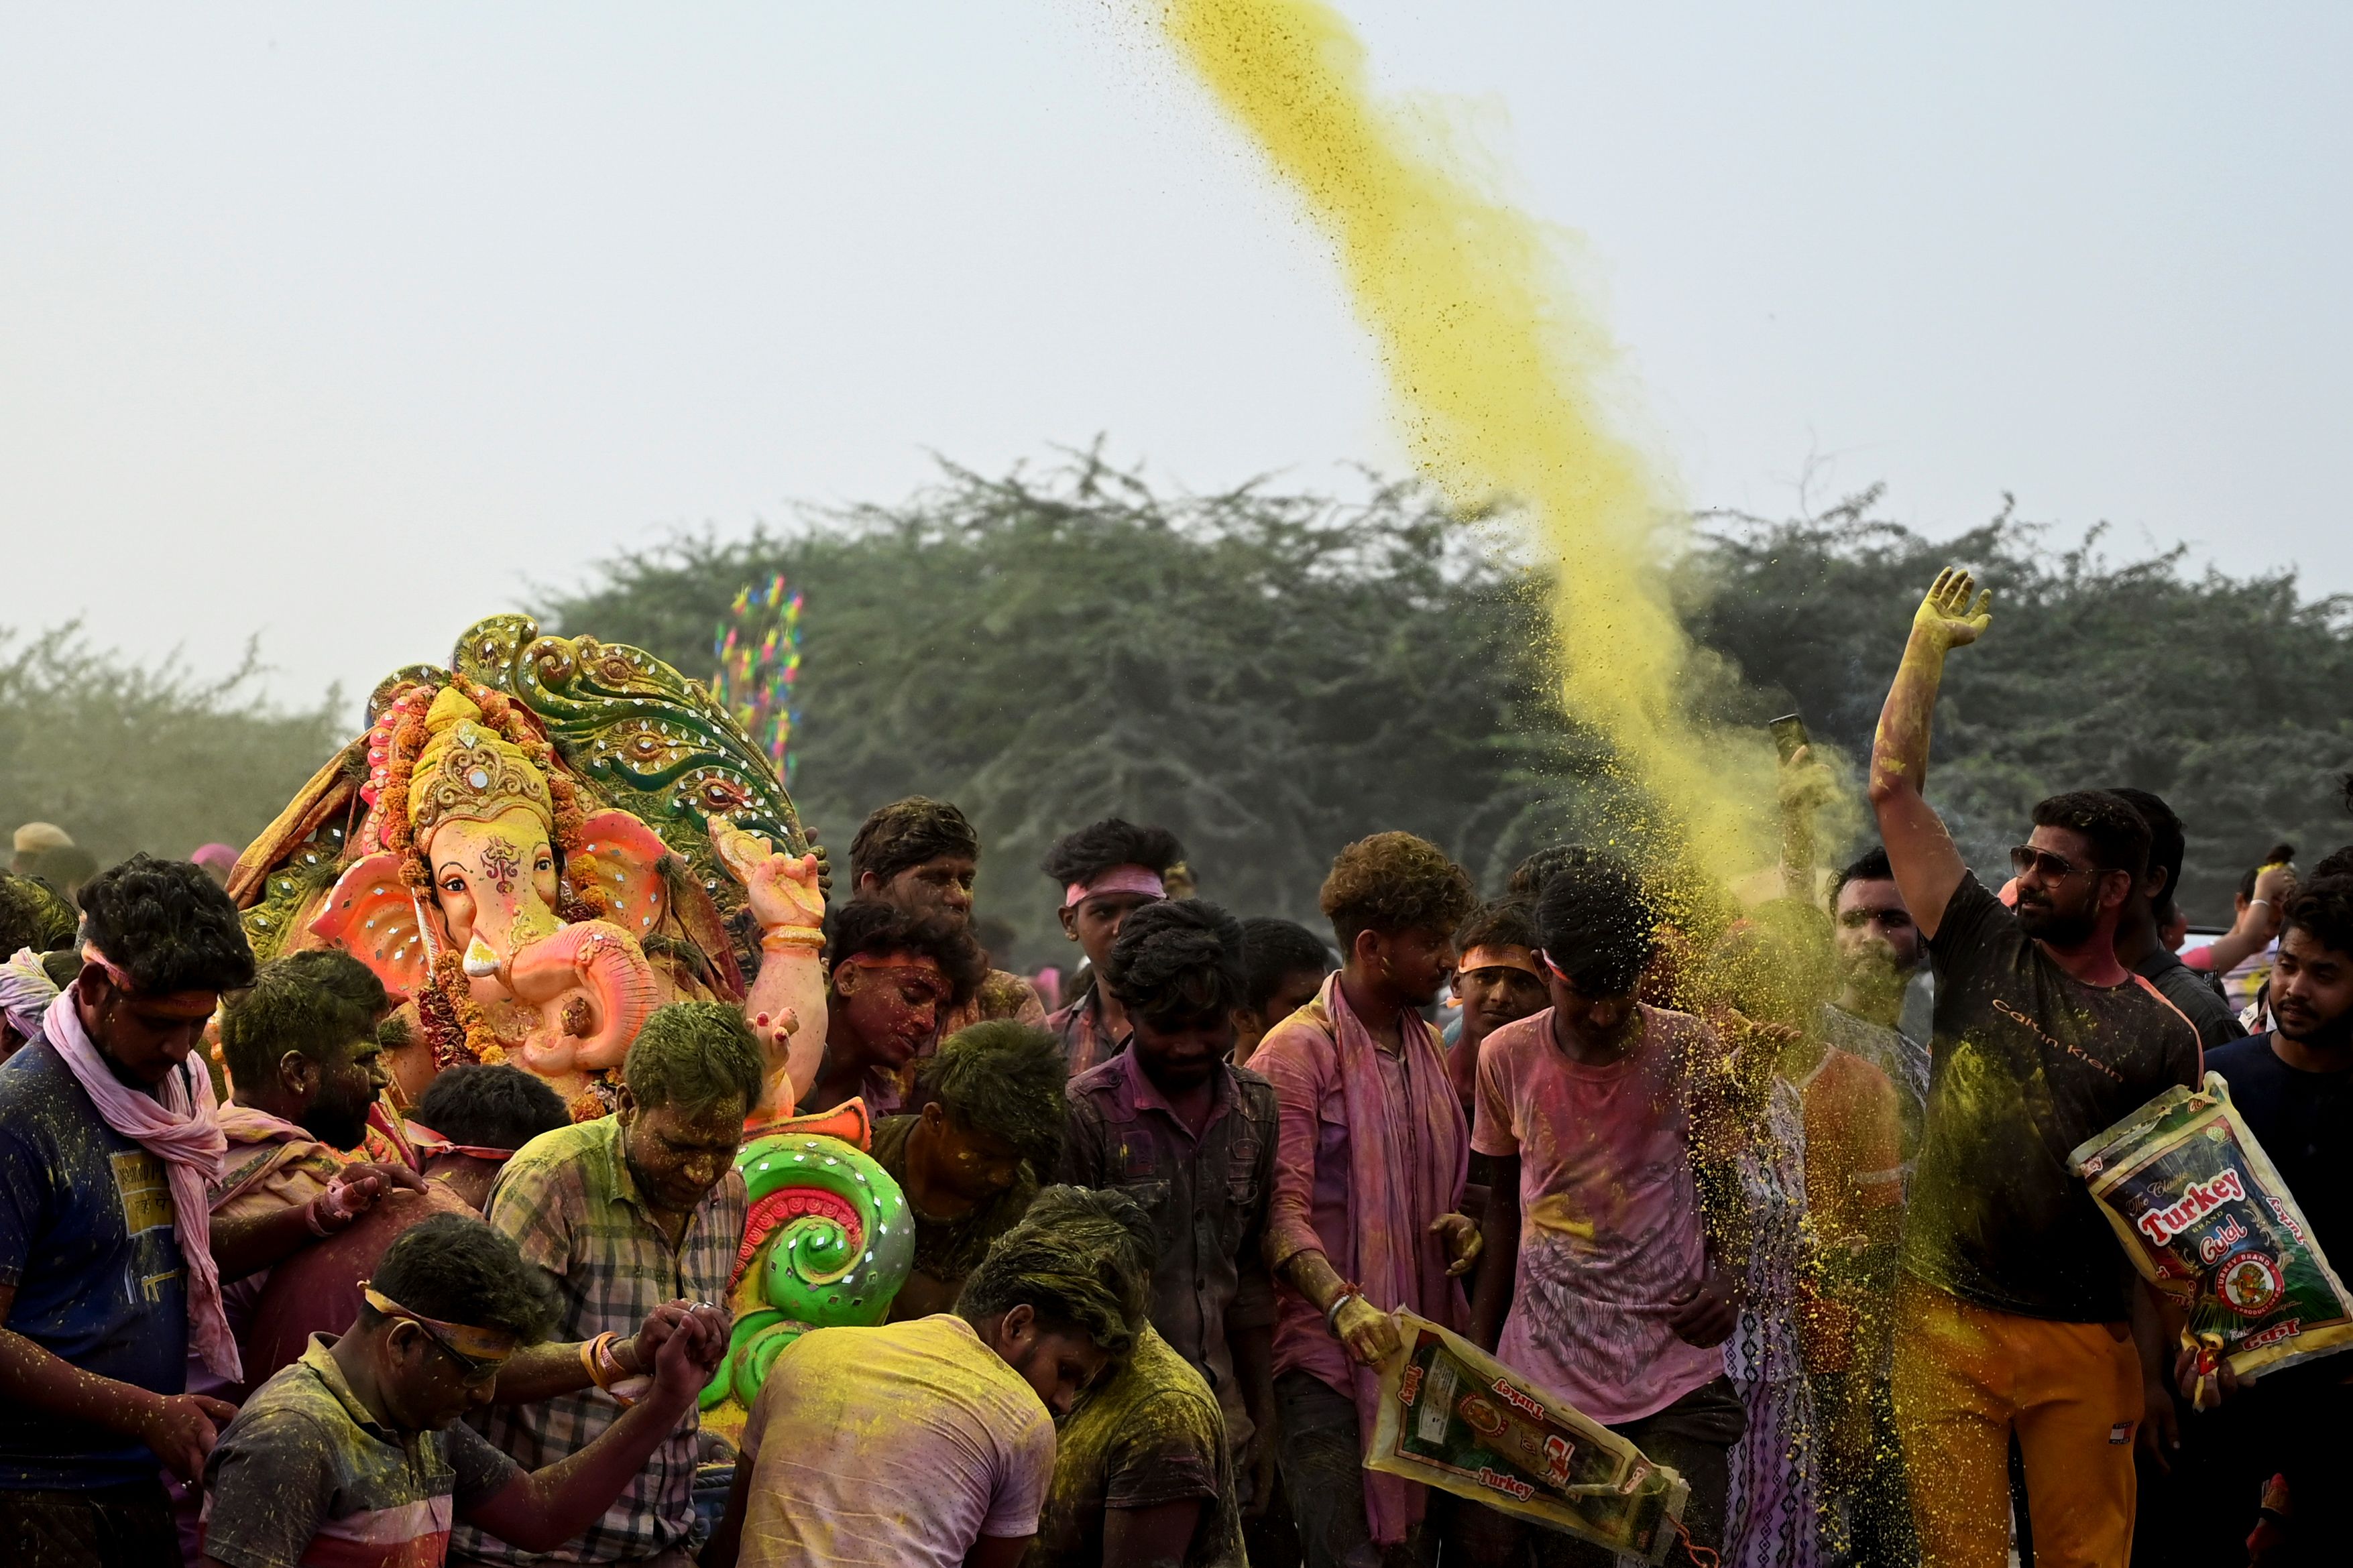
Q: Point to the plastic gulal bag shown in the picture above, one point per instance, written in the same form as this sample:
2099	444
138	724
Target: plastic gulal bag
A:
2205	1216
1454	1418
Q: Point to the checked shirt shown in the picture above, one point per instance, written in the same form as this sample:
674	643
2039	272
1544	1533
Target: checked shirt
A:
568	1201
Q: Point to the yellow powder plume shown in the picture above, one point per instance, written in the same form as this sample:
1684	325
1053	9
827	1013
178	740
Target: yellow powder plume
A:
1502	376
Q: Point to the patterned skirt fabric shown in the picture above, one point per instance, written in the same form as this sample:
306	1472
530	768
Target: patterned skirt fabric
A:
1773	1513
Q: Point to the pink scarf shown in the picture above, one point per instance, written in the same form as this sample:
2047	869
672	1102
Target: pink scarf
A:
176	1125
1403	1173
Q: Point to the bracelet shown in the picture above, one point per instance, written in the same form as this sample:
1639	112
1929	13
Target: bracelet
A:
311	1214
589	1358
1348	1293
781	938
608	1370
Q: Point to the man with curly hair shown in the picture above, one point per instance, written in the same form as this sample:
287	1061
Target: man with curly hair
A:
356	1453
923	855
1171	1122
630	1216
1371	1154
988	1119
1105	872
109	1133
930	1442
893	976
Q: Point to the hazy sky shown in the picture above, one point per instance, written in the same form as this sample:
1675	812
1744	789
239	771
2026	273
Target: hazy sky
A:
345	325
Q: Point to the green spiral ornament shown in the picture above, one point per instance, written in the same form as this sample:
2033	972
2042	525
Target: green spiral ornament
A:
828	1242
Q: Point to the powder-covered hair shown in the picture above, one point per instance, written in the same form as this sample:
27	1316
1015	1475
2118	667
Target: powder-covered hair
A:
697	1055
1597	925
1003	1079
1273	950
1394	882
320	1001
457	1269
874	928
167	925
906	833
1114	841
33	916
491	1106
1177	961
1080	1260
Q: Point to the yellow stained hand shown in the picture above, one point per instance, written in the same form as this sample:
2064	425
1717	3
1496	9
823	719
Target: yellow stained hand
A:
1462	1241
1948	612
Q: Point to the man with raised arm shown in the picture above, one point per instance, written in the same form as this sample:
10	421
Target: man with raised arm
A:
2015	1313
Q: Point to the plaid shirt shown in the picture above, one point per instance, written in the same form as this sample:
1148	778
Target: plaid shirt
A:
568	1201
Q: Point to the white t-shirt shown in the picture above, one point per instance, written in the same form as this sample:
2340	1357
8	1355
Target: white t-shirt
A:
902	1445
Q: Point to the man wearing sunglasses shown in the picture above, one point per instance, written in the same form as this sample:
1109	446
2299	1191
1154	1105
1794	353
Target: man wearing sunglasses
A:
354	1455
2014	1315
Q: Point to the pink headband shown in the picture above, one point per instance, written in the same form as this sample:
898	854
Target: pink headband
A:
1118	879
188	1004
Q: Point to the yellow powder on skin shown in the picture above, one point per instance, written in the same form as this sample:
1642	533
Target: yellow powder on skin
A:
1499	373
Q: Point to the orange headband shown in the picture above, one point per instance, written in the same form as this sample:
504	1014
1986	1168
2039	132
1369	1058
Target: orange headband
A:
475	1344
1500	956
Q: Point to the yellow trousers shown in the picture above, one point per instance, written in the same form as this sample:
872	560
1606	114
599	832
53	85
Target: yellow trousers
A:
1965	1378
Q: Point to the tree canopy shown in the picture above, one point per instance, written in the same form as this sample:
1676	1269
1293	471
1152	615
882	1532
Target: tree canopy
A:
2228	697
125	757
1271	674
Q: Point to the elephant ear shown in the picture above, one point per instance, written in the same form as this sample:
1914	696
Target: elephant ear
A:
622	858
371	915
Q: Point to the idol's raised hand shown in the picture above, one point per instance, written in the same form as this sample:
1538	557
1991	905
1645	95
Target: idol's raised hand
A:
782	889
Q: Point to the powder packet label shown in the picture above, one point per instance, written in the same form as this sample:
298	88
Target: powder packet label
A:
2204	1216
1453	1418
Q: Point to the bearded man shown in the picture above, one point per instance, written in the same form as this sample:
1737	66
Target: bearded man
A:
2015	1308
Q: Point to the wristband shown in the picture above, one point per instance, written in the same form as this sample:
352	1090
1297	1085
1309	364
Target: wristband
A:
778	939
311	1214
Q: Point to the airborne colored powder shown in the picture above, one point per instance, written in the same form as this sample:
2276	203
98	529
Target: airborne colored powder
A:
1500	374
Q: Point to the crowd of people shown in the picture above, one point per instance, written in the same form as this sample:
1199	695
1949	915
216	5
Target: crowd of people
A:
1778	1190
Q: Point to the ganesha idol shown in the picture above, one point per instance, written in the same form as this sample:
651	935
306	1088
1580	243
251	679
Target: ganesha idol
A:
536	848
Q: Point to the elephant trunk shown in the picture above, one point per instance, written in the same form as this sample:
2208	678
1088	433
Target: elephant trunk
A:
593	990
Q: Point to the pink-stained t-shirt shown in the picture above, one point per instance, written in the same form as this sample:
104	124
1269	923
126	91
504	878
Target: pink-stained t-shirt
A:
904	1444
1610	1234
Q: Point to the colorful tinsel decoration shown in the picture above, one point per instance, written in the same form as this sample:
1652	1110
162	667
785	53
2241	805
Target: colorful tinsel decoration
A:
759	651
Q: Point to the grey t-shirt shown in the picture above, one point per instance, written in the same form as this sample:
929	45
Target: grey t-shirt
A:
305	1466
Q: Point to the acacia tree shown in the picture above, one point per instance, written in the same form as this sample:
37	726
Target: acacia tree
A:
128	757
1267	675
2226	696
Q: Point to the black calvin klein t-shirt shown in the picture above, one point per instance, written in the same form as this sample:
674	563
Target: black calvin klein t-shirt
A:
2028	1062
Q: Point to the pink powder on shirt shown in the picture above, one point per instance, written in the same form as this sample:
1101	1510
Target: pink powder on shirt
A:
1610	1234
